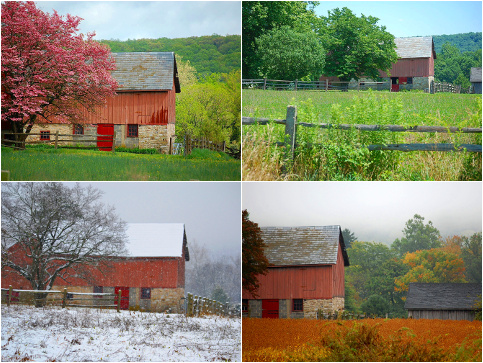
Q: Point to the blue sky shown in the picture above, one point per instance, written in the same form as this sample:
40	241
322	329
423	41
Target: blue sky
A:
416	18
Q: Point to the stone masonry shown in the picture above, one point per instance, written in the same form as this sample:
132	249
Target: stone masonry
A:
324	305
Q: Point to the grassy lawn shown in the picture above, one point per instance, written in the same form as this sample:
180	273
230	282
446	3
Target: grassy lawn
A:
342	157
81	165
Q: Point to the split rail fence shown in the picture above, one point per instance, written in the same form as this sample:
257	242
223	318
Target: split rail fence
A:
198	306
291	125
59	140
62	298
203	143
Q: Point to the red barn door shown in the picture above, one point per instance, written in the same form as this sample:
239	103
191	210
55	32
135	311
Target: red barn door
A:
270	309
124	297
104	143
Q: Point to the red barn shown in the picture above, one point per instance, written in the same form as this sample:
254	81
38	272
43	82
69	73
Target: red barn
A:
415	66
152	277
306	273
142	114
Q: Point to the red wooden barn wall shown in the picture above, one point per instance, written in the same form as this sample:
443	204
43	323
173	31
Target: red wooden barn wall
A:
133	107
161	272
414	67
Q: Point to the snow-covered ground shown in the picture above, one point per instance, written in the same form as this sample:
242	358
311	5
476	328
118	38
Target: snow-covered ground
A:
76	334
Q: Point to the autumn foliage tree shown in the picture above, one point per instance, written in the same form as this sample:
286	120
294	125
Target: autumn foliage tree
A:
254	261
436	265
48	70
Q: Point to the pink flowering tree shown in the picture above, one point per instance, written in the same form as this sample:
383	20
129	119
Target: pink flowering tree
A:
49	72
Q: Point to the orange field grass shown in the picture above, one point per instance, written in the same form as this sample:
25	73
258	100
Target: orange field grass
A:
363	340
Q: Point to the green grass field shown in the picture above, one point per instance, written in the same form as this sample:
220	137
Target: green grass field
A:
342	158
81	165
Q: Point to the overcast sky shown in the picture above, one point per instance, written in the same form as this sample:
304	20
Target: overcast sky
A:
373	211
211	211
416	18
151	19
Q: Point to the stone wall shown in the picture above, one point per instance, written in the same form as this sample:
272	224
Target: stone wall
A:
155	137
63	129
325	305
255	308
166	299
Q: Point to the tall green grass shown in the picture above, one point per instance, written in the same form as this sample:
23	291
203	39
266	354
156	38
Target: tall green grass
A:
341	157
81	165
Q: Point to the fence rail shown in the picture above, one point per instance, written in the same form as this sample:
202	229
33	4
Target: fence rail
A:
41	297
61	139
291	125
203	143
197	306
326	85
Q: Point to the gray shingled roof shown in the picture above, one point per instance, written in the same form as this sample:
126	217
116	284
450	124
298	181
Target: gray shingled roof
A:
146	71
414	47
444	296
475	75
289	246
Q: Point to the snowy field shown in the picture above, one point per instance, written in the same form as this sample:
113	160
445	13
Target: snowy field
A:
76	334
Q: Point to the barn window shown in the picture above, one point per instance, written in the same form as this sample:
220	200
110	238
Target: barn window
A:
298	305
410	80
132	130
44	135
78	130
98	290
245	305
145	293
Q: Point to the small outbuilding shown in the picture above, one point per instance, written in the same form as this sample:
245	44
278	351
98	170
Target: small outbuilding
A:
475	79
306	273
447	301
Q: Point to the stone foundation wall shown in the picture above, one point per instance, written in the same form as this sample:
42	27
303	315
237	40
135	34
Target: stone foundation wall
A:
155	137
166	299
325	305
255	308
63	129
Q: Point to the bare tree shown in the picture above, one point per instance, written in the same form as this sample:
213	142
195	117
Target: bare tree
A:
51	231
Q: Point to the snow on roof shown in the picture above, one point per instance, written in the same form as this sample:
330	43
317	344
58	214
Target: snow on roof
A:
155	239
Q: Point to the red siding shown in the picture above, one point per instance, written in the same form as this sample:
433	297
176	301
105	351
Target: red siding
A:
338	273
164	272
415	67
308	282
133	107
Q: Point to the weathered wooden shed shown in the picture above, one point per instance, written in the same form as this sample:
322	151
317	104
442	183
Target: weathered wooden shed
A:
475	79
151	277
415	66
306	273
142	114
448	301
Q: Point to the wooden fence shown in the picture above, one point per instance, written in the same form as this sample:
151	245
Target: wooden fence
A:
62	139
61	298
197	306
291	125
191	144
326	85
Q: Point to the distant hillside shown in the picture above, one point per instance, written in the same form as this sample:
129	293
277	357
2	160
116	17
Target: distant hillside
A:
464	41
208	54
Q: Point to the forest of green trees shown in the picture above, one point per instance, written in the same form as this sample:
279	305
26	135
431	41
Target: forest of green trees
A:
208	54
378	277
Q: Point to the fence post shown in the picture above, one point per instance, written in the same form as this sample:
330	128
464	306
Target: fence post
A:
119	301
56	138
64	298
290	130
326	84
189	305
264	84
296	83
113	141
10	291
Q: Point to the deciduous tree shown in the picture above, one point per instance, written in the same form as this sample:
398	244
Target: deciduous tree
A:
287	54
417	236
254	261
48	70
355	46
49	231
